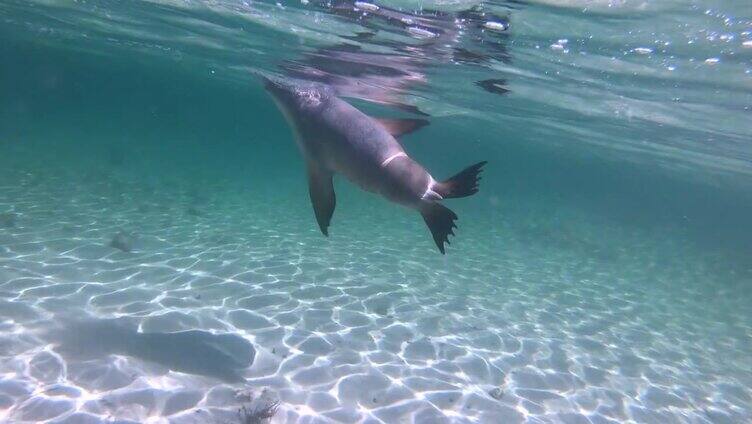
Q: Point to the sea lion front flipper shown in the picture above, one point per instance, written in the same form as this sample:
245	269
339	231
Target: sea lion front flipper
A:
399	127
321	189
440	220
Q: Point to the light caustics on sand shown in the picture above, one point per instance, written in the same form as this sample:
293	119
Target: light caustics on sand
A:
154	277
534	324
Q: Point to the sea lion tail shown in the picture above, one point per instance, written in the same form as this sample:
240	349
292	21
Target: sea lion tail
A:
440	220
463	184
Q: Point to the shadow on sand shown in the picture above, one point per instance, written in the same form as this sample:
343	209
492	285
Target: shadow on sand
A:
222	356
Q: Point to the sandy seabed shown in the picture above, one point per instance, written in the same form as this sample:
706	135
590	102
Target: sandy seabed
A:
227	300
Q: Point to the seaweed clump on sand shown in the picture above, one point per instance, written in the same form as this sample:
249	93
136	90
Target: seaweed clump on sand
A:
7	220
122	241
258	414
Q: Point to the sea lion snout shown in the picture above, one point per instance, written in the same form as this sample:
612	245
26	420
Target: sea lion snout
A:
275	85
298	94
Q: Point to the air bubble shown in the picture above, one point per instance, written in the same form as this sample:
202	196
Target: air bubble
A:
496	26
366	6
420	32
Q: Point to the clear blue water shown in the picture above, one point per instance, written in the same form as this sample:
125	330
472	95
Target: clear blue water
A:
160	261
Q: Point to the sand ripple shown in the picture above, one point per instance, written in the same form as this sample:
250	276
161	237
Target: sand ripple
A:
241	304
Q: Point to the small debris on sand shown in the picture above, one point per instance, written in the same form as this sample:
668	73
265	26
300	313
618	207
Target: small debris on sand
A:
7	220
496	393
122	241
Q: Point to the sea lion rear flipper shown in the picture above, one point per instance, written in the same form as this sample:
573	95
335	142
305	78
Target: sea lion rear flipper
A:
321	189
464	184
440	221
398	127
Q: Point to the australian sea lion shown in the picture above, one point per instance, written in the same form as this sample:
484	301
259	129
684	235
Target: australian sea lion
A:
335	137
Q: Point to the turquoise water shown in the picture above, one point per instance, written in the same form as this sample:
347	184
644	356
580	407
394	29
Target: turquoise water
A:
160	261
